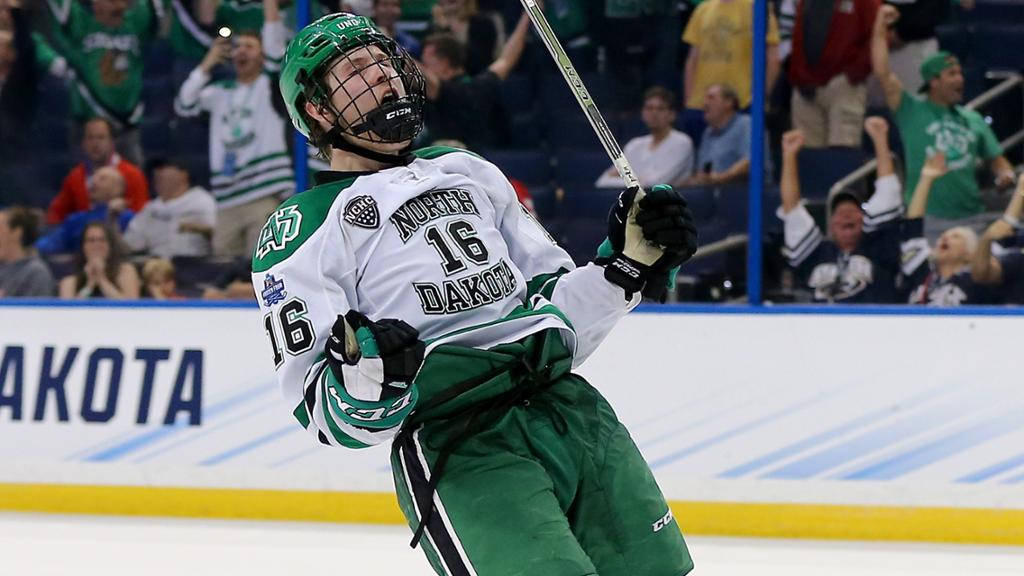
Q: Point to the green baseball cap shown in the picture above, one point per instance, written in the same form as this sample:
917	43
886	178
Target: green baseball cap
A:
933	66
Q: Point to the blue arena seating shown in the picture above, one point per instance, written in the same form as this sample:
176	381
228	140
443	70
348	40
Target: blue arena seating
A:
1000	46
579	169
532	167
820	168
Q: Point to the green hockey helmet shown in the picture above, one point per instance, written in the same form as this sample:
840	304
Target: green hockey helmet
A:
386	106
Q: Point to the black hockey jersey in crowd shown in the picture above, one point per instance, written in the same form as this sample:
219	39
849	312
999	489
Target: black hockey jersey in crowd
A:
871	272
929	289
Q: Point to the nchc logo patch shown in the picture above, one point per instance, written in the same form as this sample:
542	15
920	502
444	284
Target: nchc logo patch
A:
362	211
280	229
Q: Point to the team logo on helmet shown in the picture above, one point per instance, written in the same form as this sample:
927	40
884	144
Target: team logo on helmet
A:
362	211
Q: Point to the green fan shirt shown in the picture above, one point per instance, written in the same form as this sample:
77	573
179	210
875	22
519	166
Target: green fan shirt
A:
106	61
963	136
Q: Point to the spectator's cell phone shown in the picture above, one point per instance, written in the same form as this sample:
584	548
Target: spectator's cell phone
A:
226	32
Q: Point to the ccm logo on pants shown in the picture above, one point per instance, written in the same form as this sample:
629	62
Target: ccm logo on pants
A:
663	521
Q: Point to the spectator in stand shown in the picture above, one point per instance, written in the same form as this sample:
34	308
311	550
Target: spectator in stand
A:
100	268
479	33
179	221
720	34
937	123
724	153
98	146
104	49
940	275
249	160
911	41
198	22
18	77
859	262
22	272
106	195
234	284
158	280
1005	272
828	68
664	155
387	13
462	106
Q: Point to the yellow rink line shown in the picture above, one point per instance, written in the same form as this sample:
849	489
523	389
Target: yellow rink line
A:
962	525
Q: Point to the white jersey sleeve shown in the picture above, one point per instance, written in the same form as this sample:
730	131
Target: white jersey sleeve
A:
592	304
304	274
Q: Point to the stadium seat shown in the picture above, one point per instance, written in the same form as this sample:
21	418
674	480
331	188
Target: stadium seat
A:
517	94
955	38
1000	46
998	11
581	237
532	167
571	130
545	202
576	169
692	123
820	168
702	203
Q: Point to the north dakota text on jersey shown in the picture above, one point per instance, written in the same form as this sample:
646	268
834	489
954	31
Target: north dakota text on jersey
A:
430	206
95	396
491	285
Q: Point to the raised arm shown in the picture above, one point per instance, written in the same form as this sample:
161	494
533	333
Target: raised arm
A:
1003	171
878	130
789	186
274	37
61	10
801	236
206	11
512	50
194	95
933	169
986	269
891	85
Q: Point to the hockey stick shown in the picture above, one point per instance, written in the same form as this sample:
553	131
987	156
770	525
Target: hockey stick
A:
635	246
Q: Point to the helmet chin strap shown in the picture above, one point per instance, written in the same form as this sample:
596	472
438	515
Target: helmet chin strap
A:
397	120
337	140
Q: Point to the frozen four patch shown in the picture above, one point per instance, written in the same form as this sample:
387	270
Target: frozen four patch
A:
273	290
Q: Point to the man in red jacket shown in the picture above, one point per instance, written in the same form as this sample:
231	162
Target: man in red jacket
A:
830	62
98	146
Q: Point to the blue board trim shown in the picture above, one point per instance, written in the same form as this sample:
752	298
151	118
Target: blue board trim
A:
792	309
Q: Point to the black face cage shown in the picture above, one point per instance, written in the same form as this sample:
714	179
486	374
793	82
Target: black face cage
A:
387	118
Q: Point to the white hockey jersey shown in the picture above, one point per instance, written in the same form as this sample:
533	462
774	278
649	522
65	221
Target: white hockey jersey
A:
248	144
441	243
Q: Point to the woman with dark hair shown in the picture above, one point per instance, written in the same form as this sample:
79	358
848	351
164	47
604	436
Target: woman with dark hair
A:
100	267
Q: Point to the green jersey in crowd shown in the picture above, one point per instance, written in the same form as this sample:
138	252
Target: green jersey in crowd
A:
191	39
964	137
107	61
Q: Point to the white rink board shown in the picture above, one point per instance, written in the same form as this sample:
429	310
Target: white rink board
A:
835	409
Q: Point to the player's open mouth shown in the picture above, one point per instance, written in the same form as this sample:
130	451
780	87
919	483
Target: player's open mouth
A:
389	97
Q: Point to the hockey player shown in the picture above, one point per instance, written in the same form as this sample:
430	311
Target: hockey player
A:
408	296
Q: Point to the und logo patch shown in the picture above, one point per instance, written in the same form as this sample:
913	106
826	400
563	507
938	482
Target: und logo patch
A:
362	211
281	228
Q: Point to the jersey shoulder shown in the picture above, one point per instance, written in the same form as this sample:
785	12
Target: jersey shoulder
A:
432	152
294	222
